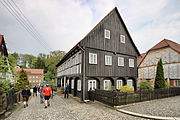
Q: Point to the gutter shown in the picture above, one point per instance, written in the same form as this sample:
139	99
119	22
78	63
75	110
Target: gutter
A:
83	75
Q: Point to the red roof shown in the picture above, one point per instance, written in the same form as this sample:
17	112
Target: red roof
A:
31	71
140	58
167	43
1	37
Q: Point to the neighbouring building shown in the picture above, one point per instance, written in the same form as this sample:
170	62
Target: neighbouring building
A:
106	57
169	52
35	76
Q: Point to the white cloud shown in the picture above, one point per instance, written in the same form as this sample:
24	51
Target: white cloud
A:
63	23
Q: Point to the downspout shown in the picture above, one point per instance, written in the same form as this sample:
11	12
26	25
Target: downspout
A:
83	75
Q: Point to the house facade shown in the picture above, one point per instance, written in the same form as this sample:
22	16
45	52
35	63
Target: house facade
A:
35	76
169	52
106	57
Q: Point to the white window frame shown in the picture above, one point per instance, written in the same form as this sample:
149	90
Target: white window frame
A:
108	82
119	83
92	58
79	85
120	61
131	62
108	60
93	85
131	84
106	32
176	82
123	39
72	84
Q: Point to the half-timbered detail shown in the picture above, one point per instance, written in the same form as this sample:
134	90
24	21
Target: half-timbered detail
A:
105	58
169	52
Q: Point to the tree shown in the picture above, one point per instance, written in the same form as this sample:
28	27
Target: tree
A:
22	80
159	79
6	66
49	77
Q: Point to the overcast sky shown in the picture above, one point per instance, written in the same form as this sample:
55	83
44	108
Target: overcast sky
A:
63	23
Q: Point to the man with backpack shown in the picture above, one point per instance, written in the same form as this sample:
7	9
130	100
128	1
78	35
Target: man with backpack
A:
26	94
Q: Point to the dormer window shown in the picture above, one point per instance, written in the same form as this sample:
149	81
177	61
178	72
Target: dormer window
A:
107	34
123	39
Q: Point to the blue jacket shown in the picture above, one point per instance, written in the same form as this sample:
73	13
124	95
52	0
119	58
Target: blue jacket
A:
67	88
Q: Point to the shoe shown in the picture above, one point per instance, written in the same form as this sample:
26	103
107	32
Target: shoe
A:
48	104
24	106
45	107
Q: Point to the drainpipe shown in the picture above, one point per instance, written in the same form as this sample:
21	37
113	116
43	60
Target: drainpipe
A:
83	75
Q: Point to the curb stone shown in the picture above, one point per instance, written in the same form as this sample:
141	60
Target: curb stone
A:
148	116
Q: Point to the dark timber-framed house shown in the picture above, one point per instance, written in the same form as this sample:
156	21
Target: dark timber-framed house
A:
105	57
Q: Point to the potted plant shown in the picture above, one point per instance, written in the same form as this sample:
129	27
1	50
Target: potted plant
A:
62	90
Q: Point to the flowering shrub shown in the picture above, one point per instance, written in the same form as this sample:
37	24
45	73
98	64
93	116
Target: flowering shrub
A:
126	89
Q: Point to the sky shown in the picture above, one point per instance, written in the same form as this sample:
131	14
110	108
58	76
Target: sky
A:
63	23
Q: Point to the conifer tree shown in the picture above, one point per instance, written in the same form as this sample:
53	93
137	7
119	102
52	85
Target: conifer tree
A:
159	79
22	80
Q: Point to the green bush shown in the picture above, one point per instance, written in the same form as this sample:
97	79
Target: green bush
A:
54	87
167	85
146	85
126	89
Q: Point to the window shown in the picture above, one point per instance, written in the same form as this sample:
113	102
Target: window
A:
129	83
108	60
131	62
36	80
36	76
119	83
77	59
79	85
122	39
72	84
177	83
33	80
120	61
92	58
107	34
107	84
30	81
33	76
91	84
39	80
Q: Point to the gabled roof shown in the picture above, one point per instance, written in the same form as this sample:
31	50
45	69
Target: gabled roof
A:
78	44
31	71
167	43
164	43
140	58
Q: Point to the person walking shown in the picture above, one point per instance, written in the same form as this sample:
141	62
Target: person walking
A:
35	90
47	92
26	94
41	93
66	91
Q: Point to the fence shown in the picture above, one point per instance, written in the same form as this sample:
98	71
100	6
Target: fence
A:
115	98
7	101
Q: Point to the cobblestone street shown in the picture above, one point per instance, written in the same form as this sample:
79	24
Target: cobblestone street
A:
67	109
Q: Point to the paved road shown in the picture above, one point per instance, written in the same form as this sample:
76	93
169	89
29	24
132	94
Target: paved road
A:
166	107
67	109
